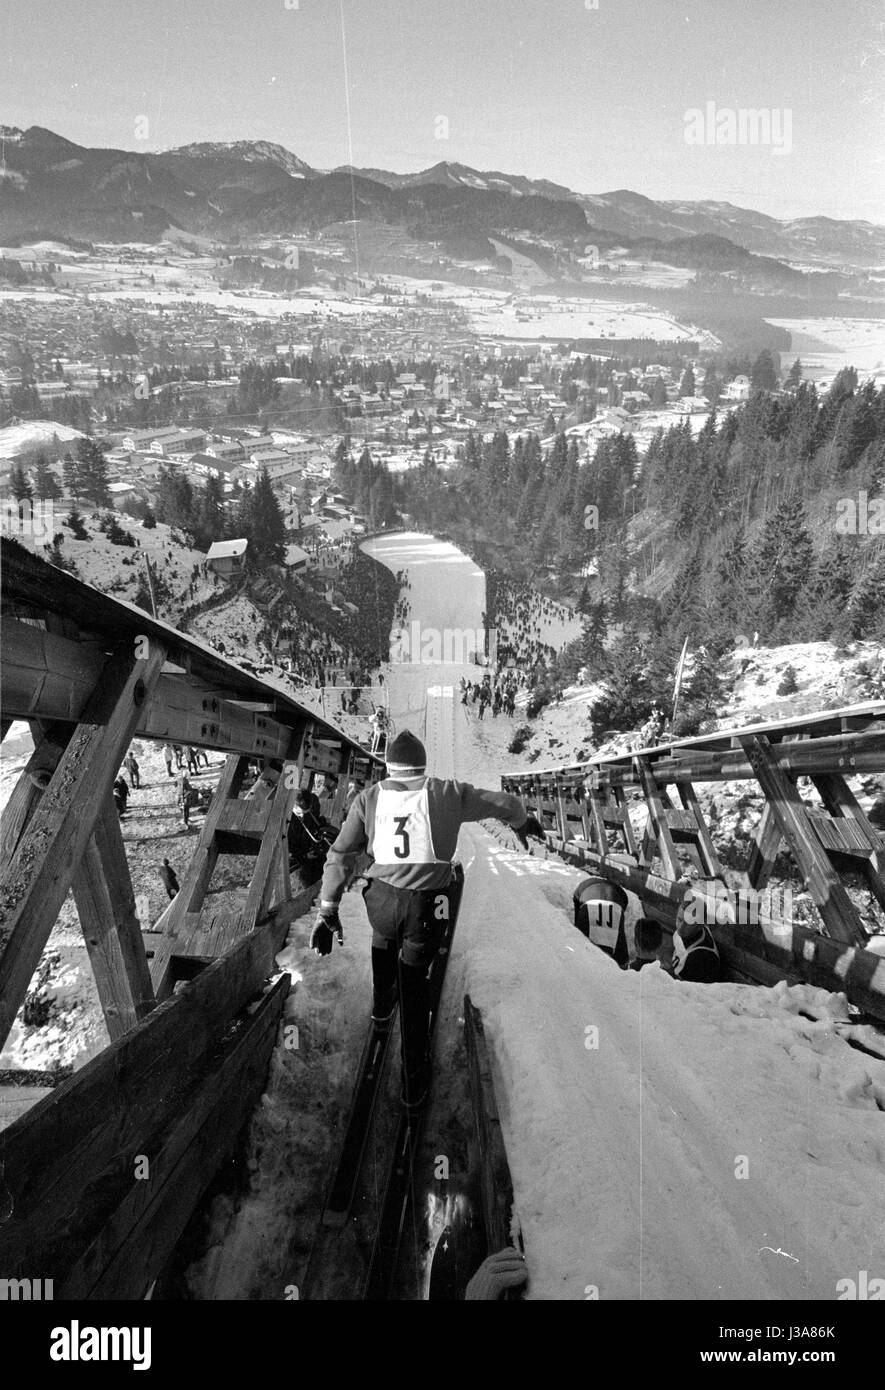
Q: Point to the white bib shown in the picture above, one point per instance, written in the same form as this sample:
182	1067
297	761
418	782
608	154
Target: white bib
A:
603	920
402	828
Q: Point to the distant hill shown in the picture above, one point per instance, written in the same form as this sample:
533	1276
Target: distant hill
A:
225	190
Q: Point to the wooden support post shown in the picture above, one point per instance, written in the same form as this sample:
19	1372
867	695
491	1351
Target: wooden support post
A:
273	845
620	797
197	876
821	879
35	881
106	906
706	849
766	843
339	800
595	798
561	818
657	832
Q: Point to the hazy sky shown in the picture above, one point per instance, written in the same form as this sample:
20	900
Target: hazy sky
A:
595	98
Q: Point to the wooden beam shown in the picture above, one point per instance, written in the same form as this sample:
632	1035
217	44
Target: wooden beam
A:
50	677
34	883
273	846
108	1236
766	843
142	1235
183	713
106	907
850	752
106	1112
657	830
30	786
823	883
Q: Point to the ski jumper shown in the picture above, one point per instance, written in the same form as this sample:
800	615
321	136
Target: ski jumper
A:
410	830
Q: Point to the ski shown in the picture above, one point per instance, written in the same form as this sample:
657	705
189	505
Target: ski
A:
397	1191
353	1148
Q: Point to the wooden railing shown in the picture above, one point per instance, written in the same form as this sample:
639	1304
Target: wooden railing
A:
617	817
99	1178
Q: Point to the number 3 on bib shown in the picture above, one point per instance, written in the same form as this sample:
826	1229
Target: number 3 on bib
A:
402	851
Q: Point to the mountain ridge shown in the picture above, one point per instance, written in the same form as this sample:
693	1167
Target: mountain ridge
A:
232	188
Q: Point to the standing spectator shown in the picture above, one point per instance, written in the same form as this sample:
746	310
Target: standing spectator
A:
169	877
191	759
130	762
169	755
185	797
121	796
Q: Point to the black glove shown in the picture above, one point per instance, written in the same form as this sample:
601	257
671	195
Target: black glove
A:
531	828
325	928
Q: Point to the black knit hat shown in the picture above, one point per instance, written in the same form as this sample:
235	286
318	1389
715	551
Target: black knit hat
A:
405	756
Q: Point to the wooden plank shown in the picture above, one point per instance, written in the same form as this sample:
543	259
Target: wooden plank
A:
843	836
123	1246
111	929
36	879
840	800
51	677
680	821
104	1113
823	883
496	1183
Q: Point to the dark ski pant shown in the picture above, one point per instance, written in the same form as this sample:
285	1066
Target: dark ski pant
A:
406	934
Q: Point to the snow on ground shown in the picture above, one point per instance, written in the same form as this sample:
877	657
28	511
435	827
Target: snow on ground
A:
119	570
237	302
827	344
31	434
665	1140
579	318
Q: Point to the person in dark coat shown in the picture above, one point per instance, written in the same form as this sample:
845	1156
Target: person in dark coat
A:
169	877
121	795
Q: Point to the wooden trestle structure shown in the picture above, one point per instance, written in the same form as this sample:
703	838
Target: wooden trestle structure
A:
665	853
98	1179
